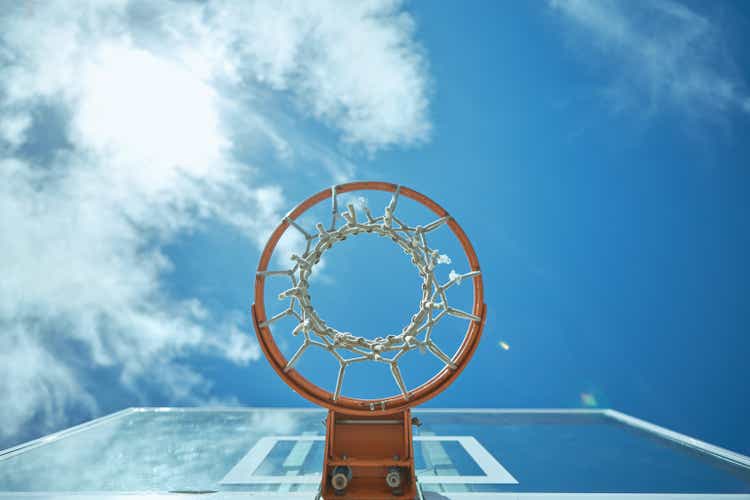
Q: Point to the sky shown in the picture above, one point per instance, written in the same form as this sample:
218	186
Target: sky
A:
594	152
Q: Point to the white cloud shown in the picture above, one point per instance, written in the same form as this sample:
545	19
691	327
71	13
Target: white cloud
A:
668	55
352	64
150	94
33	382
13	128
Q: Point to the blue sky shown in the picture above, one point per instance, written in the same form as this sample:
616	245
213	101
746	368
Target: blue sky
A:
595	153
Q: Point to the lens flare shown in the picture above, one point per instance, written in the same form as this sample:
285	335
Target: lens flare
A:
504	345
589	400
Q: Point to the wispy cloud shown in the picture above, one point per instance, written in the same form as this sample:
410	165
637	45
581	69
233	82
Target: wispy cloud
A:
667	55
148	147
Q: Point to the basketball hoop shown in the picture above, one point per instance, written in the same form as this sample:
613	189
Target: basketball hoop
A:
345	348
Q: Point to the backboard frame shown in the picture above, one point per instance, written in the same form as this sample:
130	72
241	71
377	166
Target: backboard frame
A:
622	418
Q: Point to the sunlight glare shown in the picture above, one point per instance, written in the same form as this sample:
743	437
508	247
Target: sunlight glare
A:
152	111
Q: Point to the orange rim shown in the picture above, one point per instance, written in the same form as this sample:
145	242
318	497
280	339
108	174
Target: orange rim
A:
438	383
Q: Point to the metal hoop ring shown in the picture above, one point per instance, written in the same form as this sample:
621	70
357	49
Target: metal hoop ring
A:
317	395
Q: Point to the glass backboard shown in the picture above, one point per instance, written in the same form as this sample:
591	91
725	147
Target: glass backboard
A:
460	454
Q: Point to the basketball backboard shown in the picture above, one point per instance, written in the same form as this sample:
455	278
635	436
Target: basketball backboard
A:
459	454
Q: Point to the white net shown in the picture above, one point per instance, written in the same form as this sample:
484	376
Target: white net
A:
344	347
